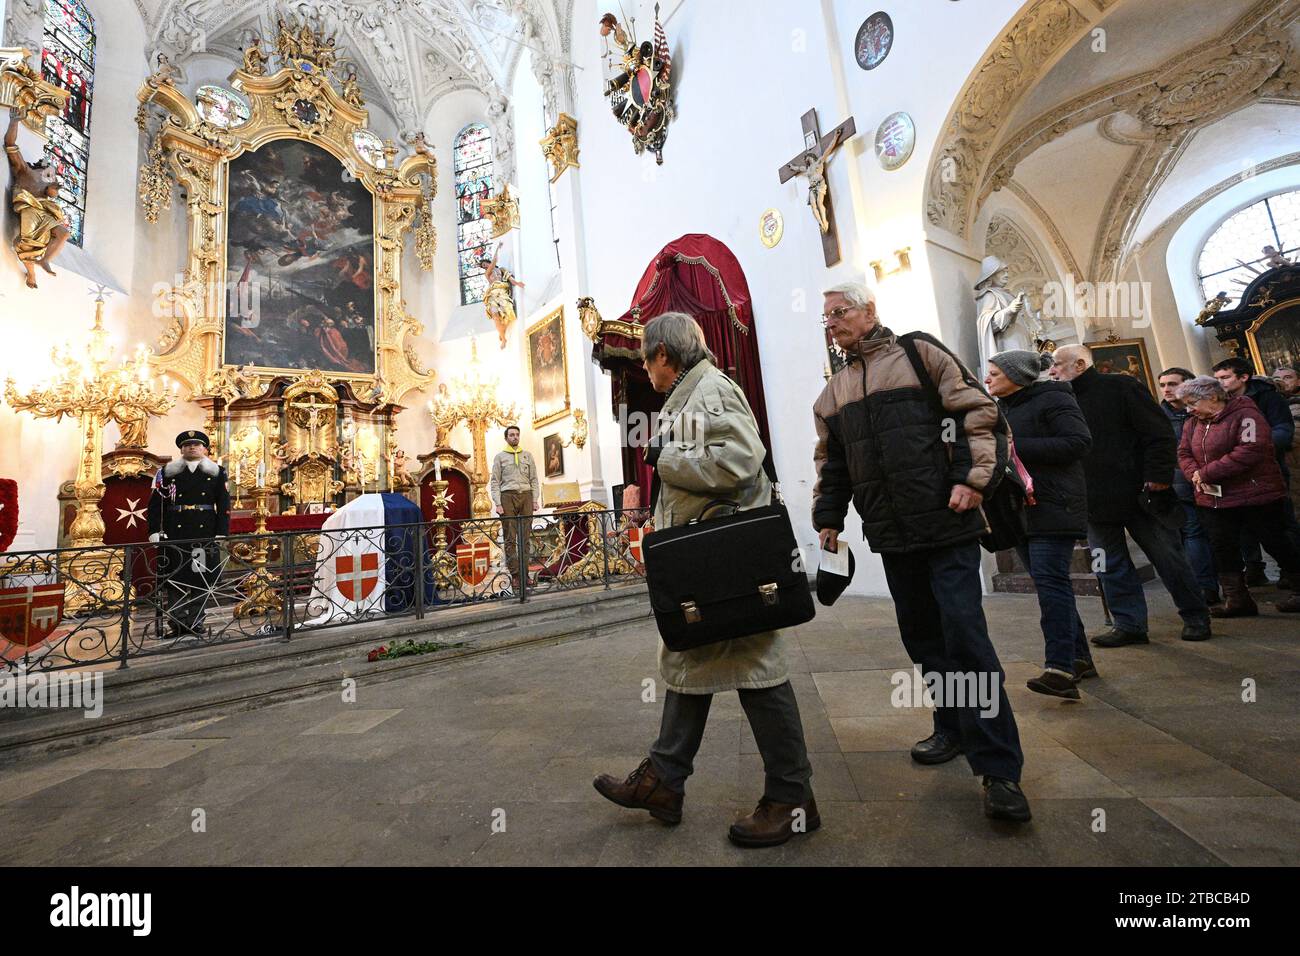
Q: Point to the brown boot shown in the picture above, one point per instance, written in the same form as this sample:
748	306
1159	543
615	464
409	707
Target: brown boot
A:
1237	601
771	824
1290	606
642	790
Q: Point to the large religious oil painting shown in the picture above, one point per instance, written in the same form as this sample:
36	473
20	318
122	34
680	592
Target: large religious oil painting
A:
548	369
299	263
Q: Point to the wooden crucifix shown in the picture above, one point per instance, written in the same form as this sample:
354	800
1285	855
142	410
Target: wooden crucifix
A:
812	163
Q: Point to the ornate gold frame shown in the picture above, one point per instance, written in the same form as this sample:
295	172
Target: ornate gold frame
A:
1142	349
197	154
1255	355
564	358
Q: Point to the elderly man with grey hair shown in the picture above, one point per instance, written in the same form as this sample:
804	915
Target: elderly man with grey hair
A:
708	448
1129	471
909	436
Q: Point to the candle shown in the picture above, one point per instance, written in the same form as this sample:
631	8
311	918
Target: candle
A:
236	472
437	470
261	473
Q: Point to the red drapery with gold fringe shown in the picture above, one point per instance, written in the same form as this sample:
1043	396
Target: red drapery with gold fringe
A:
700	276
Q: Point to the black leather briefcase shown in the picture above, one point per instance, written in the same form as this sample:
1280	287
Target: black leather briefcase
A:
726	578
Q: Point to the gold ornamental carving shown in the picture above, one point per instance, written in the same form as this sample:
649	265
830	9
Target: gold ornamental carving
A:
299	101
23	89
560	145
503	210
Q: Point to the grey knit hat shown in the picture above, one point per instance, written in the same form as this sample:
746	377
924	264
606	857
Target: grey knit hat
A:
1022	366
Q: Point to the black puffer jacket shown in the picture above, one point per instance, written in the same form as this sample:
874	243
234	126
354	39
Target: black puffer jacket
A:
1131	444
1051	439
882	446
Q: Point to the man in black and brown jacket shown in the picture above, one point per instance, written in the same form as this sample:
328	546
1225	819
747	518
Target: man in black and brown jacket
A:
917	480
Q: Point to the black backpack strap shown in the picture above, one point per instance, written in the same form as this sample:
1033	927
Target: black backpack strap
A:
908	342
1003	427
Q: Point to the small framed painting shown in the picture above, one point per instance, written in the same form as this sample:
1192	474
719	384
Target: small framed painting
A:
553	453
1124	357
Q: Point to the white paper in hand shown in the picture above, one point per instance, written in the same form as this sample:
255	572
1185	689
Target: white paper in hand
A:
837	561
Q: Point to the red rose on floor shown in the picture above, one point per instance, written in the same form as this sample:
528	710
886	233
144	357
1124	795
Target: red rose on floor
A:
374	655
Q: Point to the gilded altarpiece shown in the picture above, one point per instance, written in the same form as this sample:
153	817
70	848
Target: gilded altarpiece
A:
269	277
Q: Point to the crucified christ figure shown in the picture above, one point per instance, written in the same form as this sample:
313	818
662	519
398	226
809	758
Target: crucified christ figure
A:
814	167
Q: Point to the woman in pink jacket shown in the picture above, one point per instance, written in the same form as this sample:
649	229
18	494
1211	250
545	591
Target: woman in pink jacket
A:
1227	454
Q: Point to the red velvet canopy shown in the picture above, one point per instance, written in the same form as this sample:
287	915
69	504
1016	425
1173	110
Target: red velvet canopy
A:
700	276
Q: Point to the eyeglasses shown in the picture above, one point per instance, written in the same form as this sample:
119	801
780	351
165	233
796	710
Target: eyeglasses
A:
834	315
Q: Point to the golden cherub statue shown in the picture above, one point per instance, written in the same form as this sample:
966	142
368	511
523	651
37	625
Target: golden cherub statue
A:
254	58
42	227
1212	307
352	91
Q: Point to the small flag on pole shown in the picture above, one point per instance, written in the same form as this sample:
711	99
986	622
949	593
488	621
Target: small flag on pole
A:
662	56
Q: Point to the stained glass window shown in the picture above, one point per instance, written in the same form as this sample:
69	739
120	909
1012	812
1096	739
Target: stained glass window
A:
68	60
220	106
473	167
1233	256
370	146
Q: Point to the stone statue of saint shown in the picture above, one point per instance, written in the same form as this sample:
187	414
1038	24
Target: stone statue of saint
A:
1005	320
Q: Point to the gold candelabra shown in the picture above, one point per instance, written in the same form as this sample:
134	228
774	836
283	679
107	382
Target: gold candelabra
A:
90	388
472	399
446	575
87	387
260	587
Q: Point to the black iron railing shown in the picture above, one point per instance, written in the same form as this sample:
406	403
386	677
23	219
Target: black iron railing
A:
73	607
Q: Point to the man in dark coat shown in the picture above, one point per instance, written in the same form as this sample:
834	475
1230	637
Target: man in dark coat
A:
1237	377
1196	540
917	478
1130	476
190	504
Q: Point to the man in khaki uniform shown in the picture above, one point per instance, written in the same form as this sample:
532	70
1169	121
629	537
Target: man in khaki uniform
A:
516	490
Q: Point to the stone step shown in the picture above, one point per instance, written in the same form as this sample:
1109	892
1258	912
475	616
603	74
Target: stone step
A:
216	681
1013	578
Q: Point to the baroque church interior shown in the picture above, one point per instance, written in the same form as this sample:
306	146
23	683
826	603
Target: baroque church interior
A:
348	242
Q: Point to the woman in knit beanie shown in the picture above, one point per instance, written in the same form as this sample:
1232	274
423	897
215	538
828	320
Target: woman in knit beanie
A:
1051	438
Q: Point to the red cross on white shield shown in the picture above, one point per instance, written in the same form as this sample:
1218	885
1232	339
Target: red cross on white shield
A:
357	575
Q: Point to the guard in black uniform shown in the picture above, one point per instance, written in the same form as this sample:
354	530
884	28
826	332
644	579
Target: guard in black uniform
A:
190	504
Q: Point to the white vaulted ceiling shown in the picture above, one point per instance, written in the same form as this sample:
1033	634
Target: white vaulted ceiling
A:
407	53
1111	139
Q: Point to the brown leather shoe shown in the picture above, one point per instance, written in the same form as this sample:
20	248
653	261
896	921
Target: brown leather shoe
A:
771	823
642	790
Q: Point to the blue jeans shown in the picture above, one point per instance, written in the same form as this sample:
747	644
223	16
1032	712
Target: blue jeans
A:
1196	543
1048	561
937	599
1119	578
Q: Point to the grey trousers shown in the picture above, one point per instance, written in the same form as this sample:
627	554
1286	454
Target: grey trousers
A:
773	715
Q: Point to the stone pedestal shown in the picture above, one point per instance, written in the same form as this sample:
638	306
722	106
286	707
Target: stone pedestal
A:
1013	578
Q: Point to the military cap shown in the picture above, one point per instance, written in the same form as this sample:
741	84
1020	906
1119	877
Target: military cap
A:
193	435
